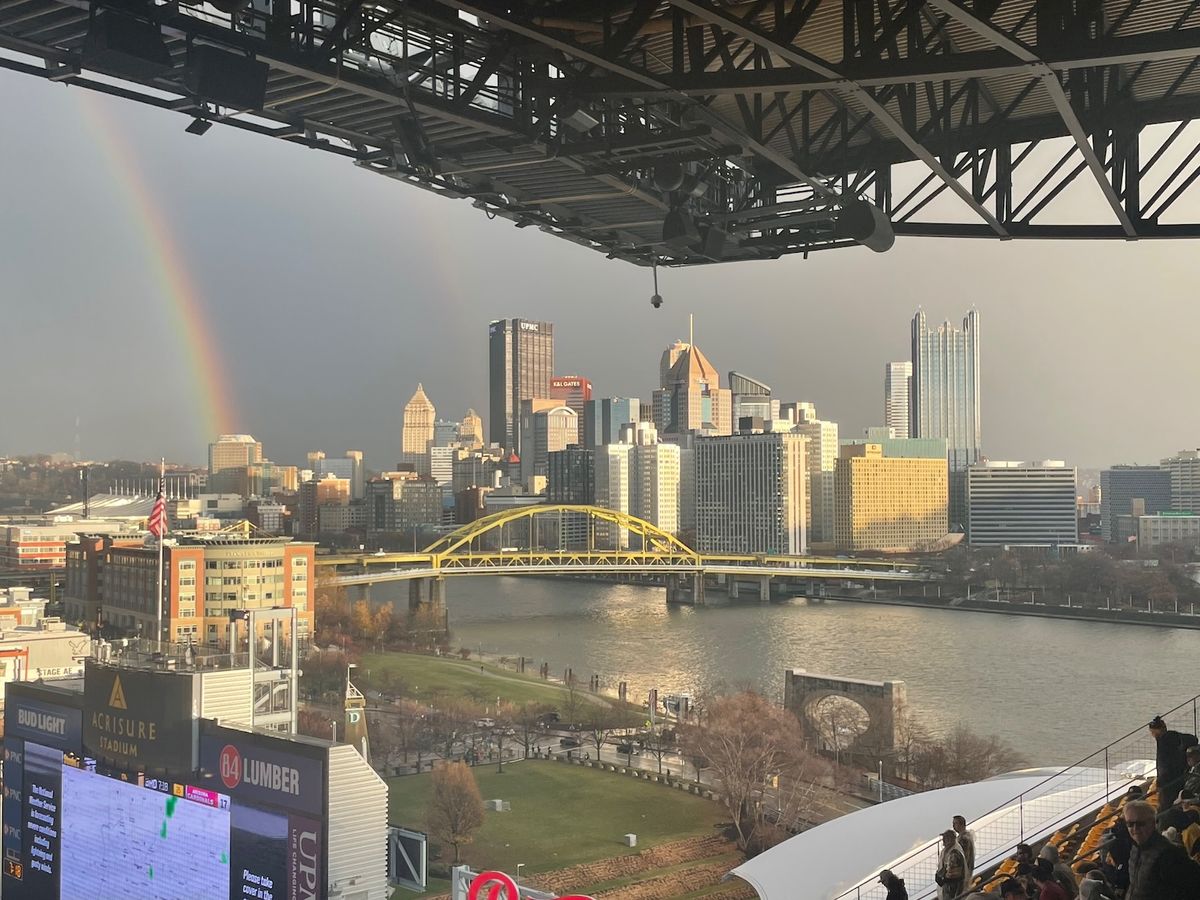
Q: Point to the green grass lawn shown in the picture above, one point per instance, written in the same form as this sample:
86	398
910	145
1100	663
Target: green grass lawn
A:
561	815
430	678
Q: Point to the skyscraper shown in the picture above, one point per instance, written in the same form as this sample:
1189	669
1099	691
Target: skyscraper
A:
690	398
227	461
572	390
470	430
897	383
419	416
944	401
1184	467
520	366
945	387
820	460
751	397
1123	486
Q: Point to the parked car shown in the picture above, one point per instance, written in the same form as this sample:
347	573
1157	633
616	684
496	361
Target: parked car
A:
627	749
548	718
568	742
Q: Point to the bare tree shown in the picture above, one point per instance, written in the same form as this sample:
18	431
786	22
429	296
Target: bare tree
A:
602	720
528	720
756	753
962	756
658	745
455	809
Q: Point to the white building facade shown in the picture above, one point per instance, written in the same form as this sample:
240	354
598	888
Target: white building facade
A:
1018	503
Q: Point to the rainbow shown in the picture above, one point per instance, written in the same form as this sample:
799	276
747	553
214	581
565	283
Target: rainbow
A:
165	262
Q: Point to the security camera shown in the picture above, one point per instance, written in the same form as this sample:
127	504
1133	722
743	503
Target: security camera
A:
656	301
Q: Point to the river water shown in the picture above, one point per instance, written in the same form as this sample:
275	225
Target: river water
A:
1056	690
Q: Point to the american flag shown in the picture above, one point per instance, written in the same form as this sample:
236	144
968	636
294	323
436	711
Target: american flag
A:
157	523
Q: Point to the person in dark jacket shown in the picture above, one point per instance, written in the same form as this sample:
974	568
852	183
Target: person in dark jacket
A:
1171	756
1158	870
895	886
1176	816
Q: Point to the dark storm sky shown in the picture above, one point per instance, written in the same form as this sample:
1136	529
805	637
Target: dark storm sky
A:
331	292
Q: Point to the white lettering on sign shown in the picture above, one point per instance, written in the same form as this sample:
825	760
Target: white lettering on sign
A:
308	864
272	776
529	326
566	383
43	722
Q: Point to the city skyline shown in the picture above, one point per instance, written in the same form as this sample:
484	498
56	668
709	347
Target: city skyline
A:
359	299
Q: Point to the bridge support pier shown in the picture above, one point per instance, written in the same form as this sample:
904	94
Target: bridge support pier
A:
428	596
764	588
362	592
686	589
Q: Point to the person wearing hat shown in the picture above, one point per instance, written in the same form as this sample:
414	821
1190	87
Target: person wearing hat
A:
895	886
952	867
1171	759
1062	872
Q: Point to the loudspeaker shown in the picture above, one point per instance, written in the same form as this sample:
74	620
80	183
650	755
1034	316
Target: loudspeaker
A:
123	45
712	242
867	224
227	79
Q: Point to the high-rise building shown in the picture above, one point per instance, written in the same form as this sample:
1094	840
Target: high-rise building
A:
602	419
897	383
690	399
945	398
358	482
751	398
470	430
612	480
1016	503
520	366
1121	486
323	492
571	477
820	458
1184	467
445	433
419	417
750	493
401	502
546	426
888	503
571	390
901	448
227	461
655	484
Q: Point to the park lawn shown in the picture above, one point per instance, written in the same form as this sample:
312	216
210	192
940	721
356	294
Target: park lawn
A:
561	815
432	678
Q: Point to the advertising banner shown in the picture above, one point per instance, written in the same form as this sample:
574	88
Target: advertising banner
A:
43	723
259	770
138	718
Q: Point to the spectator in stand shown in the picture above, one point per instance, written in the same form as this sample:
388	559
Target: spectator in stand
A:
895	886
966	841
1024	854
1012	890
1176	816
951	868
1158	870
1171	756
1062	872
1048	887
1093	886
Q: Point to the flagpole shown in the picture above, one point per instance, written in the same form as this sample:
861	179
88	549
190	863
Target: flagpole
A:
162	474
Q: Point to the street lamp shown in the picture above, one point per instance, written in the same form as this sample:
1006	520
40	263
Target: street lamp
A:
517	880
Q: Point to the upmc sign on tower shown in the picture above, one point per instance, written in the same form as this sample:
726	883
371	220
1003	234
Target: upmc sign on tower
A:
278	812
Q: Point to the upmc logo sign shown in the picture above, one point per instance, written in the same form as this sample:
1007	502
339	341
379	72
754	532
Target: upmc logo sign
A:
529	326
304	859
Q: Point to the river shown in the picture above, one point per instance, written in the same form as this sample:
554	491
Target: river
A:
1055	690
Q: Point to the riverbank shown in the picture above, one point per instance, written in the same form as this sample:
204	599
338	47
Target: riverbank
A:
1121	616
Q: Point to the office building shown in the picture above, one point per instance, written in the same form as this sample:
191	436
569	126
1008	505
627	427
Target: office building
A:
888	504
476	468
445	434
655	484
820	457
470	431
227	461
571	390
1165	528
750	493
945	397
613	463
358	475
571	477
546	426
1021	504
419	417
751	398
897	383
206	576
403	502
1184	467
520	366
602	419
318	493
901	448
1120	486
690	399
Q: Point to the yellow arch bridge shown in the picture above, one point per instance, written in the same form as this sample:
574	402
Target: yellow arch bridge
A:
552	539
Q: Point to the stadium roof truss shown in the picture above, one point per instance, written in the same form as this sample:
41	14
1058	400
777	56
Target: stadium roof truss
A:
688	131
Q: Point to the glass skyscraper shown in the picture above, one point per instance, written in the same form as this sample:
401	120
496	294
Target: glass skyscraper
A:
945	387
520	366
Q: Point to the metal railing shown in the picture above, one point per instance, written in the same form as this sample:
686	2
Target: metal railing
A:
1044	808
